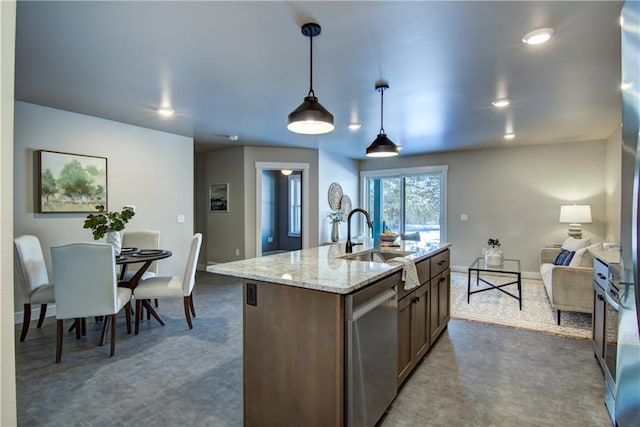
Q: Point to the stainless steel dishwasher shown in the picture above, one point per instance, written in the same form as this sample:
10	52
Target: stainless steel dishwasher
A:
372	351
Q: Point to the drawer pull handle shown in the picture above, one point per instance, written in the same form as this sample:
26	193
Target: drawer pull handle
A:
441	262
601	276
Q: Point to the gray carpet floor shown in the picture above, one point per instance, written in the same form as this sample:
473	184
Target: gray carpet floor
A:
475	375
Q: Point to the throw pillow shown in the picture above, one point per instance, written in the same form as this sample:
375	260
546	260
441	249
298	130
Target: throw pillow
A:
583	257
564	257
573	244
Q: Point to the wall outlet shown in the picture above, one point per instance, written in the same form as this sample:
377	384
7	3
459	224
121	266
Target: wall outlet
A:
180	219
237	252
464	217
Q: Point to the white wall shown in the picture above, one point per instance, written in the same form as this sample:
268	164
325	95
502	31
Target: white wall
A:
149	169
344	171
7	331
515	194
613	176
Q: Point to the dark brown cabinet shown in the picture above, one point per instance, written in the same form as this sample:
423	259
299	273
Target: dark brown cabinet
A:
423	312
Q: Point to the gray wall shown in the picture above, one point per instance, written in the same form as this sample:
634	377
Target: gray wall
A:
515	194
223	231
344	171
149	169
236	230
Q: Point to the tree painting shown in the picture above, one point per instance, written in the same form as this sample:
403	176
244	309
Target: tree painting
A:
71	182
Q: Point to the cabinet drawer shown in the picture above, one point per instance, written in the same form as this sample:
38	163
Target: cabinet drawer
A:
439	263
600	273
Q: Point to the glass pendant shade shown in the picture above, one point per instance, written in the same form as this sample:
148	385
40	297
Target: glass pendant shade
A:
382	147
310	118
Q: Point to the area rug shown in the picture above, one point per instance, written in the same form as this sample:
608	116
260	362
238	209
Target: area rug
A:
494	307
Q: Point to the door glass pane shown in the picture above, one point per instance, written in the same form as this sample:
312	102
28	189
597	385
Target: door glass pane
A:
385	203
423	207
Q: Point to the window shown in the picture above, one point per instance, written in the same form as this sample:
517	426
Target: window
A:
295	205
411	200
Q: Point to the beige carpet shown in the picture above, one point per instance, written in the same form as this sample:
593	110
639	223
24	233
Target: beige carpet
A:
494	307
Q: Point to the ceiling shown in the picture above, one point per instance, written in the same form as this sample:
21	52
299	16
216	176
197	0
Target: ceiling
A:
239	68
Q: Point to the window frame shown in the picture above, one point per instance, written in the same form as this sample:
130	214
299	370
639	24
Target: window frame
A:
401	173
291	209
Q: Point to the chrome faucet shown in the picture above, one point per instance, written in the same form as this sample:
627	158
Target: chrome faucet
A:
350	244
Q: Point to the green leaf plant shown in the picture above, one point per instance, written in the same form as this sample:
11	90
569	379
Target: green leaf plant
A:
103	222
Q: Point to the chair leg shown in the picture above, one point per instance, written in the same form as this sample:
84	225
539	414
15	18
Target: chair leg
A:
78	328
127	313
25	321
558	317
84	326
187	311
138	314
60	334
105	327
148	312
193	309
43	314
113	335
155	301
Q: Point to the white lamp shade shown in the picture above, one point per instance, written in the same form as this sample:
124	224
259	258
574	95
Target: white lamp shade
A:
575	214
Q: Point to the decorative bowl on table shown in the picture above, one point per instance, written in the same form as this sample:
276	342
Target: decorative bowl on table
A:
388	237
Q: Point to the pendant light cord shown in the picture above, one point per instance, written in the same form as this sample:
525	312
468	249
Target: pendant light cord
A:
381	109
311	92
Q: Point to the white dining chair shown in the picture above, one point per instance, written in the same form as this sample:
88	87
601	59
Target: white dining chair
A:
87	286
172	286
141	239
35	279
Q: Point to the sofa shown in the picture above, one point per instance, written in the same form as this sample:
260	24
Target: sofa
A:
569	287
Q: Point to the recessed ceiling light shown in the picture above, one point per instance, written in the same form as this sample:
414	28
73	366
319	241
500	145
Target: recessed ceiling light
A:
166	111
354	126
509	135
538	36
233	137
501	102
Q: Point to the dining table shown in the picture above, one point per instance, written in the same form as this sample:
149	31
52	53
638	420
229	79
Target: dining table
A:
145	257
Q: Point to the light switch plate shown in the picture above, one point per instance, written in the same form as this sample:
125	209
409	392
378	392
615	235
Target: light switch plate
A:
464	217
180	219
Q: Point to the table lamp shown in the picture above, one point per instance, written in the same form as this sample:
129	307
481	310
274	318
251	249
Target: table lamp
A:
575	215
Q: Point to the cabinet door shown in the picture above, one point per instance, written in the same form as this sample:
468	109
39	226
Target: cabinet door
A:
445	302
434	312
421	331
405	353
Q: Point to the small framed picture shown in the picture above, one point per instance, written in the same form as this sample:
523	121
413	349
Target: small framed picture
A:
71	182
219	197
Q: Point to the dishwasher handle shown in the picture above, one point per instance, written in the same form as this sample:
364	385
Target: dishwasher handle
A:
371	304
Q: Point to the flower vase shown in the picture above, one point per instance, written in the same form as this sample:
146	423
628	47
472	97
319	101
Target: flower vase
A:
494	257
113	238
335	232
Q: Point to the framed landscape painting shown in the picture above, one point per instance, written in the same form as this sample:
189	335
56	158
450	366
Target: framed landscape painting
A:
219	197
71	182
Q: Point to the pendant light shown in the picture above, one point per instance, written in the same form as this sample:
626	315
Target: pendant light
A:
310	118
382	146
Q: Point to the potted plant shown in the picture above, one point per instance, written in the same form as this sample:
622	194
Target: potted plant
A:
336	217
493	256
109	224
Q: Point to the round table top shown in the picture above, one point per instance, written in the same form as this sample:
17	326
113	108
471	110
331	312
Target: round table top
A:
133	255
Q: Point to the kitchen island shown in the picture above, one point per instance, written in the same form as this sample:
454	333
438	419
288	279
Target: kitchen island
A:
315	348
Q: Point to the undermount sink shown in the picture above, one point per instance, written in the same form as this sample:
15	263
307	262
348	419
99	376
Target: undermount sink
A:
374	255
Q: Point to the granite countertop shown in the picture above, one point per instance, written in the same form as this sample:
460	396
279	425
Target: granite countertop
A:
321	268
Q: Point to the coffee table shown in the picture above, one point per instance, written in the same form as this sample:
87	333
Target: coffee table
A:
510	267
